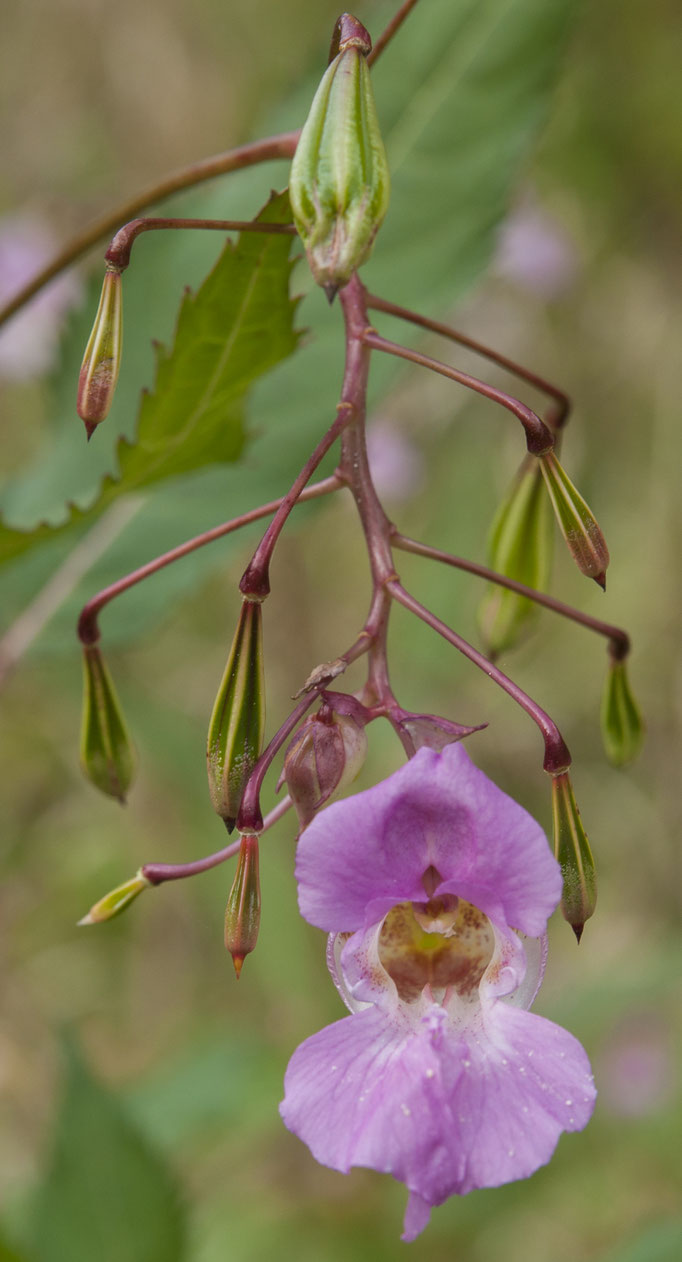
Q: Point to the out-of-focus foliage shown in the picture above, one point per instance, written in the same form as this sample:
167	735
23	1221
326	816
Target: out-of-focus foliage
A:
584	290
106	1193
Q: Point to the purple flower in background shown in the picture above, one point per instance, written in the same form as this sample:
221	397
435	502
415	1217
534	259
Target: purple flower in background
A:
28	345
436	889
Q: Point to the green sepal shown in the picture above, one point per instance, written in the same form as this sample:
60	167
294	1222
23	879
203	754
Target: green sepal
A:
116	900
576	521
621	721
520	547
235	732
572	850
106	752
339	185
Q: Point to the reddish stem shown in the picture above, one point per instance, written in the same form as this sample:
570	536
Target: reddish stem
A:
157	873
388	33
354	469
558	416
121	246
88	629
619	640
539	438
255	581
557	757
273	147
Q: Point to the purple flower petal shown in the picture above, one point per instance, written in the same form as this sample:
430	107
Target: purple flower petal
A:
360	857
444	1107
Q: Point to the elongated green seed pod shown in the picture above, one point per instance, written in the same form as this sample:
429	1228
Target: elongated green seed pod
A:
621	720
106	753
576	521
116	900
235	732
520	547
102	359
572	850
339	184
242	914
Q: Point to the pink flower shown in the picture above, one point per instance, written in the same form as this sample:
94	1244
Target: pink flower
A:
441	1077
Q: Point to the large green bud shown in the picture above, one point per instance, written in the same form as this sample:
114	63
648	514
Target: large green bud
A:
339	185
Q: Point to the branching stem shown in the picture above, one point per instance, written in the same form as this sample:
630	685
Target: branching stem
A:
282	147
157	873
619	640
539	437
557	757
88	629
556	418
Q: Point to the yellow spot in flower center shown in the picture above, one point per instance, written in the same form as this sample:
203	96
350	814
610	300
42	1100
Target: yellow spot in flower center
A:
443	943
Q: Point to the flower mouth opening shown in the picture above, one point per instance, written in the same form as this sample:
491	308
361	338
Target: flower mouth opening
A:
445	943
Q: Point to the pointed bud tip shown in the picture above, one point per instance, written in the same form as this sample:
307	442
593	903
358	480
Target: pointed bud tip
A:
331	291
238	961
90	427
229	824
85	920
578	931
600	580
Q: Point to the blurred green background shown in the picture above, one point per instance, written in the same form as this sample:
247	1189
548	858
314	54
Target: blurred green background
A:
584	287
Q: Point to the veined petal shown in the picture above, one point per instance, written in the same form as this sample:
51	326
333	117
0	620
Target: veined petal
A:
360	857
443	1108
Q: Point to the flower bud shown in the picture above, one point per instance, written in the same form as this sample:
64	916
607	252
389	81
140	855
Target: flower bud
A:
235	732
621	722
324	757
106	753
242	914
102	359
116	900
520	547
576	522
572	850
339	184
429	730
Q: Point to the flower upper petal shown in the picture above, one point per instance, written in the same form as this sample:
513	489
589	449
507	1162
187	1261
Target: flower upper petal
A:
361	856
445	1109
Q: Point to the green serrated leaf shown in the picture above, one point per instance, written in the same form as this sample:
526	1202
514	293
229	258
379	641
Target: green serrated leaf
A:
461	96
107	1194
237	327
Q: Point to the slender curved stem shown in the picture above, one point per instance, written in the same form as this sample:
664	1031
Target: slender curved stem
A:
354	469
88	629
557	757
255	581
121	246
619	640
282	146
389	31
539	438
250	819
157	873
557	417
